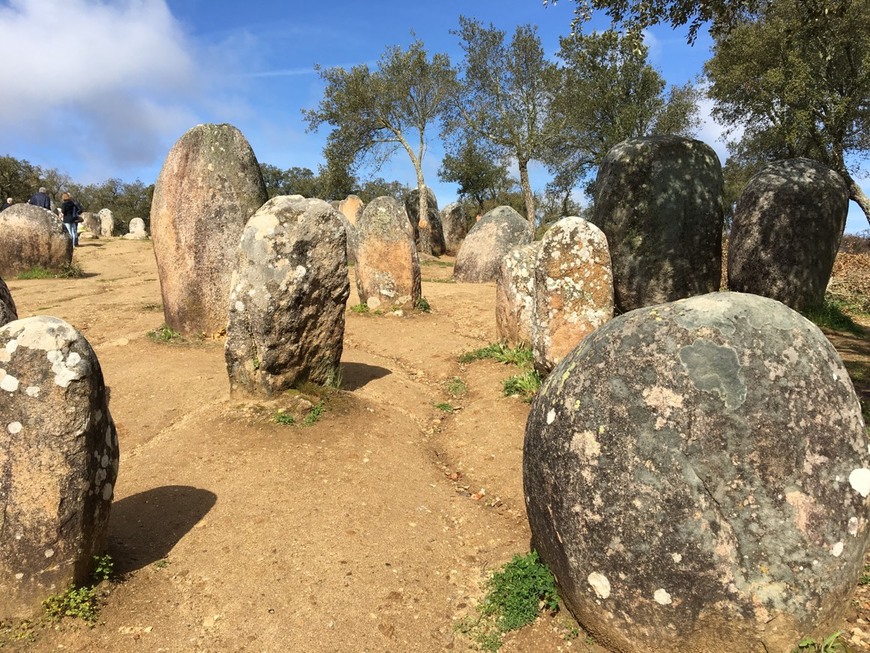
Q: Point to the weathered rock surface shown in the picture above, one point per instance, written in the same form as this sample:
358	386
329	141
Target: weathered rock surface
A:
454	223
32	237
8	312
137	230
573	289
90	224
58	462
428	232
287	305
787	229
208	188
515	295
493	236
387	268
659	201
107	223
351	208
697	473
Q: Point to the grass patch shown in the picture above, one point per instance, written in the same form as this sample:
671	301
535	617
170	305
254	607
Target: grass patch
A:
70	271
66	271
831	644
448	280
437	264
445	407
152	307
359	309
165	333
314	414
831	314
521	356
516	594
523	385
422	305
36	273
456	387
283	417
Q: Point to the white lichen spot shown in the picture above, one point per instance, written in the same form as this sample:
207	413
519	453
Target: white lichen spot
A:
551	416
599	584
32	391
49	553
240	307
853	526
859	479
837	550
9	383
677	557
19	576
107	492
662	597
14	428
104	461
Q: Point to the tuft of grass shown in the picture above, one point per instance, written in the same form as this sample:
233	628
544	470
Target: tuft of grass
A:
36	273
359	309
830	644
521	356
456	387
445	407
282	417
165	334
831	314
516	594
433	280
523	385
439	264
422	305
152	307
314	414
70	271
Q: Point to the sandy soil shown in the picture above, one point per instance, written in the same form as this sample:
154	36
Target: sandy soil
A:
372	530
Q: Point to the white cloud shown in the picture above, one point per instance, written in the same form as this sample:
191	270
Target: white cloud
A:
712	132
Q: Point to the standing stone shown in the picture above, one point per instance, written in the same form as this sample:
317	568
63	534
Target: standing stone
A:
493	236
573	289
787	229
515	295
454	222
107	223
696	477
91	224
209	186
428	233
287	304
31	236
659	201
387	267
8	312
351	208
137	230
58	462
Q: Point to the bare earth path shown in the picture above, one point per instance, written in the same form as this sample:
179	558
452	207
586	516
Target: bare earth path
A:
371	530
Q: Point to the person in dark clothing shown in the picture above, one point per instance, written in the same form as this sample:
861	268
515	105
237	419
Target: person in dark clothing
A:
7	204
70	210
41	198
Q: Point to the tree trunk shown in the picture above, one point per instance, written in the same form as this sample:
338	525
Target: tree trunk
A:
527	195
858	196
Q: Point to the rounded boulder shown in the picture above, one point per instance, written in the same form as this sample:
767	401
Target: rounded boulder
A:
32	237
490	239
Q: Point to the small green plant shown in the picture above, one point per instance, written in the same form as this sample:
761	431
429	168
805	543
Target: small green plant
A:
456	387
36	273
523	385
165	334
79	603
152	307
521	356
163	563
360	309
104	568
314	414
255	362
445	407
282	417
831	644
516	594
422	305
70	271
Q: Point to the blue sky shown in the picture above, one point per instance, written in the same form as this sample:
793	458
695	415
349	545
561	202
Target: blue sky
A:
103	88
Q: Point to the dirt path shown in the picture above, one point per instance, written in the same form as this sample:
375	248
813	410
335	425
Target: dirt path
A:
371	530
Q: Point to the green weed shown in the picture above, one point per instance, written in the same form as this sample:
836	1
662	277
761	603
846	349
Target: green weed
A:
456	387
445	407
360	309
515	596
439	264
152	307
165	334
865	576
521	356
104	568
70	271
422	305
314	414
36	273
163	563
523	385
831	644
79	603
282	417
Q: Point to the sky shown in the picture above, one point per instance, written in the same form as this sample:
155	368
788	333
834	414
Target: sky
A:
102	89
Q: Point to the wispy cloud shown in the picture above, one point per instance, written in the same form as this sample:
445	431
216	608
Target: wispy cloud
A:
286	72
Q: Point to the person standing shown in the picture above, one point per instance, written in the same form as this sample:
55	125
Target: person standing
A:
70	212
8	203
41	198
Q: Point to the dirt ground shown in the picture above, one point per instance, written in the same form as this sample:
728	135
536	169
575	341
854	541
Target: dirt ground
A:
373	529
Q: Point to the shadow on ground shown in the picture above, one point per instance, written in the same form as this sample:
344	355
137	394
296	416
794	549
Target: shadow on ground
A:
355	375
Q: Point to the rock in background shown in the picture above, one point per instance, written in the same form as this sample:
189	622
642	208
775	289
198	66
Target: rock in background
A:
787	229
351	208
387	266
454	223
696	473
91	224
8	312
32	237
515	295
659	201
288	299
489	240
137	230
58	462
573	289
428	232
208	188
107	223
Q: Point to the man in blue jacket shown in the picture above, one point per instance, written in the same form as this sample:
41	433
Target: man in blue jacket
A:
41	199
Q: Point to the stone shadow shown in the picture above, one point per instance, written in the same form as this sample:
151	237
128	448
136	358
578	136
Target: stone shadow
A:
144	527
355	375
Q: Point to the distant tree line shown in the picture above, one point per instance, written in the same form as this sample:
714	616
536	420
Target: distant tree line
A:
19	179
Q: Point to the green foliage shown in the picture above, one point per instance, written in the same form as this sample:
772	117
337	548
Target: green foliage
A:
163	563
445	407
456	387
831	314
515	597
70	271
865	576
830	644
36	273
523	385
422	305
283	417
104	568
314	414
499	352
165	333
79	603
477	171
359	309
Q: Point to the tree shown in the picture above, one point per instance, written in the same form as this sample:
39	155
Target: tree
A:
478	173
375	113
380	187
505	95
18	179
796	79
609	93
